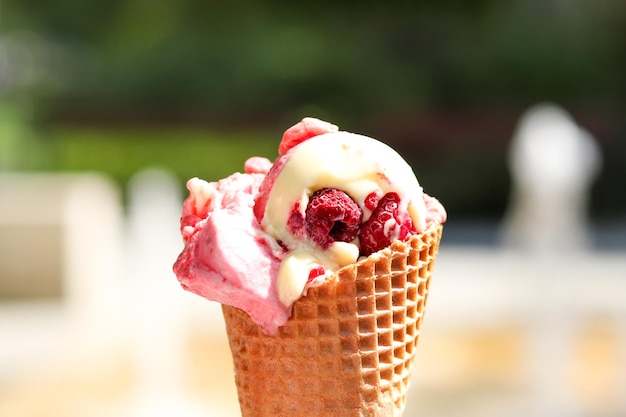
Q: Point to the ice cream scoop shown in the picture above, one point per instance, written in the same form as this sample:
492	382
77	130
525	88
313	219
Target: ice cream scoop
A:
361	167
259	240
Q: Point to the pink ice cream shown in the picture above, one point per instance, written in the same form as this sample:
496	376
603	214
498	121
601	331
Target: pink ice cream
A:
252	239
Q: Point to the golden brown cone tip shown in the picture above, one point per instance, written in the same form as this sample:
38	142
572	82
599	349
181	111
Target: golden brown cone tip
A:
348	348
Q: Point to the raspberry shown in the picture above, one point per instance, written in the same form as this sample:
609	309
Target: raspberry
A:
332	216
260	201
306	129
295	223
316	272
371	201
384	225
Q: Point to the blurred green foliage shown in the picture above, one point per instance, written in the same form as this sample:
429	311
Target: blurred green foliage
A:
350	59
186	152
21	147
198	86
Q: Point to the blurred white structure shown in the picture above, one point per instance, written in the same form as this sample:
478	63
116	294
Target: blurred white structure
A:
59	232
553	163
552	304
159	318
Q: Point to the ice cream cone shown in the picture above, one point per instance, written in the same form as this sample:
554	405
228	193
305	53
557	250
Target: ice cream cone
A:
348	348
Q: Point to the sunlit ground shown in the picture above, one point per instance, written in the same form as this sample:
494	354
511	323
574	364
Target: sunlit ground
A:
479	373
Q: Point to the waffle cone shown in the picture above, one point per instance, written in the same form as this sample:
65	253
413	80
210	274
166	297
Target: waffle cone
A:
348	348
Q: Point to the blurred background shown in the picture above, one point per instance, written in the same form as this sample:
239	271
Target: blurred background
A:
511	113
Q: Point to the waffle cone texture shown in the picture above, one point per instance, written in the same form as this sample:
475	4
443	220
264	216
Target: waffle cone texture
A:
348	348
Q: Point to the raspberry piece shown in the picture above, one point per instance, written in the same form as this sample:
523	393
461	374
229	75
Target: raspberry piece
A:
260	201
257	165
295	223
316	272
306	129
384	225
371	201
332	216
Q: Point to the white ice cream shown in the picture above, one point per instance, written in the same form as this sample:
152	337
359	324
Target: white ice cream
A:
355	164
